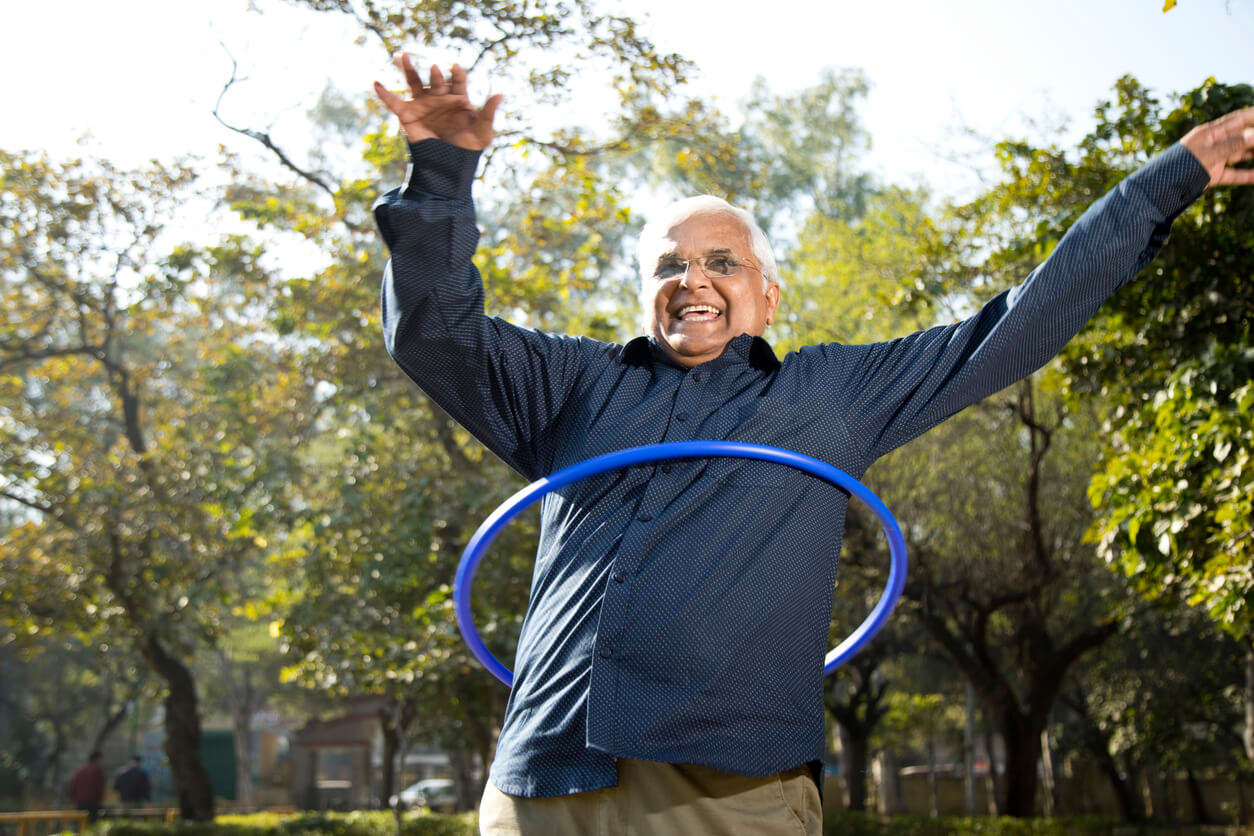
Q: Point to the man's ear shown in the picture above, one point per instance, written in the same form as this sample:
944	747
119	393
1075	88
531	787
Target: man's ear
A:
772	301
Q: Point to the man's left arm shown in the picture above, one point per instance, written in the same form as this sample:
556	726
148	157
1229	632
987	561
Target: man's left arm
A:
901	388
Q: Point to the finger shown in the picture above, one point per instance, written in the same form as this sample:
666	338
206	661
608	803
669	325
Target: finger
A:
457	80
390	100
438	85
1238	143
488	112
401	59
1236	177
1234	121
1244	116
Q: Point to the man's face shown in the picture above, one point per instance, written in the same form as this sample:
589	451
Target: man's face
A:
680	318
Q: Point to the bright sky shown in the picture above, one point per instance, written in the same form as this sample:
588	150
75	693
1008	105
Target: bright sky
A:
142	75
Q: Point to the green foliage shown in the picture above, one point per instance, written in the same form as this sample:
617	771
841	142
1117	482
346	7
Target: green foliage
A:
360	823
381	824
1165	695
1172	354
867	824
864	278
131	427
1179	488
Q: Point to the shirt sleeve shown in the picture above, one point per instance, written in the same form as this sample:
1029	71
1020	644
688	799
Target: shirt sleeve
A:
505	384
896	390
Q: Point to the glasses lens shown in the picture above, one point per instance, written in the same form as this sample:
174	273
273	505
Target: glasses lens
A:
668	269
720	266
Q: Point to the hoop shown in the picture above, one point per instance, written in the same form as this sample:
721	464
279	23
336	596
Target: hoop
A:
646	454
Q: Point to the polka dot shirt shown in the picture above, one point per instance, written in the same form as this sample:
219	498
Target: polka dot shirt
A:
679	611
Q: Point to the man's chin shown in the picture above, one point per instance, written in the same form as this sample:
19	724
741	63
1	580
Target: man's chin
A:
692	351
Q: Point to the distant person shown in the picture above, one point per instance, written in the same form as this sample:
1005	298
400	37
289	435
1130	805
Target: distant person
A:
133	785
87	786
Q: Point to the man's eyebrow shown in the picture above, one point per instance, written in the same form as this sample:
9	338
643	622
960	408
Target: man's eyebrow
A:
672	254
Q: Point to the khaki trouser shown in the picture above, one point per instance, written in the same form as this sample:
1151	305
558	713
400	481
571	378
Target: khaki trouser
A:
663	798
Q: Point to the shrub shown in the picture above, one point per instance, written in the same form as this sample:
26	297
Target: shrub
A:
867	824
360	823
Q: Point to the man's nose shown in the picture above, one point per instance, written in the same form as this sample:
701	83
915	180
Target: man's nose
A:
693	275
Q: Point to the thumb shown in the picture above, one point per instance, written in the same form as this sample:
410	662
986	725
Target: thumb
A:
390	100
487	113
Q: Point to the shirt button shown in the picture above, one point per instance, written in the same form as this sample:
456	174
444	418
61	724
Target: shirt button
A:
606	653
645	517
619	577
666	468
683	416
696	376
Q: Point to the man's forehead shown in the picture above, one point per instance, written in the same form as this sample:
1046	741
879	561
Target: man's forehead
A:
705	233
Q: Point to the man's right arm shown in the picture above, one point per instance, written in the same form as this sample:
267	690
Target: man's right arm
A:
504	384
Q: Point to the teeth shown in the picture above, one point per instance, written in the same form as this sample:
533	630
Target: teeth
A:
687	309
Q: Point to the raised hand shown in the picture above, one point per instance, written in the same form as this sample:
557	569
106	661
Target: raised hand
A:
441	110
1220	143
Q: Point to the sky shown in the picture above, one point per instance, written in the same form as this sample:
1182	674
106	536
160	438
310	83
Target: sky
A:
142	76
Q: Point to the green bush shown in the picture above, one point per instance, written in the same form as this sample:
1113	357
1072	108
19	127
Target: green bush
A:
867	824
360	823
381	823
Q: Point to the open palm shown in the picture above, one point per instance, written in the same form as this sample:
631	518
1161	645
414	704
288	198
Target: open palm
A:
440	110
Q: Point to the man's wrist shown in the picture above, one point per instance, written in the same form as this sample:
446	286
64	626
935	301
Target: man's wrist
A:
439	168
1172	180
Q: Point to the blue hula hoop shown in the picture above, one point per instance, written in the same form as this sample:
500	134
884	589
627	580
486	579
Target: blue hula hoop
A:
646	454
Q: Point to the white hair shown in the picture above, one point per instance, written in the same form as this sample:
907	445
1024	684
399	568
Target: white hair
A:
706	204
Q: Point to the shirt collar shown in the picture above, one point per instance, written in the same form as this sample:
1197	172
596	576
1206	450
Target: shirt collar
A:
643	351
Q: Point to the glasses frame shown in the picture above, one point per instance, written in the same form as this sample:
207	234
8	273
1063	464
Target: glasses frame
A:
700	260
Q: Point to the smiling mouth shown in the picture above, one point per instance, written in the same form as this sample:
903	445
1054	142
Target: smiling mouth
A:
698	313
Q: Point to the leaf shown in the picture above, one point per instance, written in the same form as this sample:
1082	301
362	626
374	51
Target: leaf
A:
1169	5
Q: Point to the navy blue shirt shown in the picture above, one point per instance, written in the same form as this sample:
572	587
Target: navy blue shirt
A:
679	612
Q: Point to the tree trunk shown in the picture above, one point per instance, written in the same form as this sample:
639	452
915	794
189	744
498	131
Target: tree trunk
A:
1131	806
461	760
395	720
891	801
933	797
1248	736
1048	776
1096	741
992	782
853	762
968	752
242	698
1023	750
182	733
391	746
111	720
1201	815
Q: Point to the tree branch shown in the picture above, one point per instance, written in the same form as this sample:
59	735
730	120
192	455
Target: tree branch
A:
265	139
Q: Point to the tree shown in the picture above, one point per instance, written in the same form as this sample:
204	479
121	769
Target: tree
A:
66	696
1000	577
1160	697
1173	359
132	431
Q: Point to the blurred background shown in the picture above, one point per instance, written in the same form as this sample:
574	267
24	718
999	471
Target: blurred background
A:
229	523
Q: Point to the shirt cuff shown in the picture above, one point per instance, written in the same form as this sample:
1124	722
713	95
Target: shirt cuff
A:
1172	180
440	169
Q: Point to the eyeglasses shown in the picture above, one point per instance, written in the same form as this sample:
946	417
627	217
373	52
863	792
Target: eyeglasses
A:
717	266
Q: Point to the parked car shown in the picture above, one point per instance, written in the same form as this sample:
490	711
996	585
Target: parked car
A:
437	794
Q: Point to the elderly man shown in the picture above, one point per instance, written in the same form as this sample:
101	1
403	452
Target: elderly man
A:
668	677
